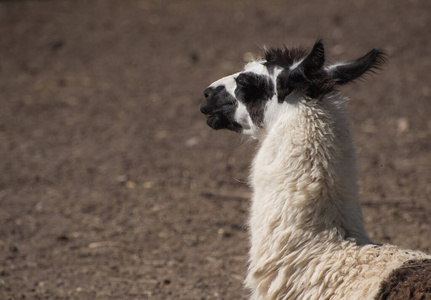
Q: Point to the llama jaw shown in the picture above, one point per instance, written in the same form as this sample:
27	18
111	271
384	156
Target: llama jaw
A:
221	121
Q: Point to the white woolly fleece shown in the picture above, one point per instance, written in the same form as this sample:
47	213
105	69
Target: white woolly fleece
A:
307	234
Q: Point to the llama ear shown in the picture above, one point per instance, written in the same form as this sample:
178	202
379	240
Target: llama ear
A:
346	72
304	75
314	60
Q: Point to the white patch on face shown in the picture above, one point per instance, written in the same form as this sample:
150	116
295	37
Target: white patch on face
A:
243	117
256	67
228	82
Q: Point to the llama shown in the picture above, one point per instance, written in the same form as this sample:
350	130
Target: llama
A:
306	229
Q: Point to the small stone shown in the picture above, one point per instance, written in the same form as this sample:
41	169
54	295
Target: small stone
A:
192	142
402	125
162	134
148	184
130	184
122	178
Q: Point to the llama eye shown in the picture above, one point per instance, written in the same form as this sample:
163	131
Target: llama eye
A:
244	79
254	91
253	87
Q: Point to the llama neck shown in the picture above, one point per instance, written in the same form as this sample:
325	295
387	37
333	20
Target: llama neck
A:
305	193
304	179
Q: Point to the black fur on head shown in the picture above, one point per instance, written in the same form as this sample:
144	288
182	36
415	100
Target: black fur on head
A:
283	57
309	75
254	91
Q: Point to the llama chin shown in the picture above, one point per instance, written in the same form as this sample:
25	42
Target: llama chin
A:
306	228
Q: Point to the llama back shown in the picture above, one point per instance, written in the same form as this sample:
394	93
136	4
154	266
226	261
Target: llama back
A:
351	272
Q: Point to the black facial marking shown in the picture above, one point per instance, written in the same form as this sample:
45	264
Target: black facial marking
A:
254	91
219	106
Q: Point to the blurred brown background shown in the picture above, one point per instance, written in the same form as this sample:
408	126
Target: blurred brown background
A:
111	184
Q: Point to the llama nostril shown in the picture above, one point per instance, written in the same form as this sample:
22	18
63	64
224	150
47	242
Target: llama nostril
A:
208	92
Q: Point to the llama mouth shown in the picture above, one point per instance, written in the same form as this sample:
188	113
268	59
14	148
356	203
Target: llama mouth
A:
220	121
215	121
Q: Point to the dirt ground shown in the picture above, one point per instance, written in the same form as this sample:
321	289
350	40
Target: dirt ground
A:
111	184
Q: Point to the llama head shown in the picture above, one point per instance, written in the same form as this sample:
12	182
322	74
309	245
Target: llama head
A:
245	101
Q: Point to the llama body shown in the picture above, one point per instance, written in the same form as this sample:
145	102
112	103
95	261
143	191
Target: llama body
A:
307	235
